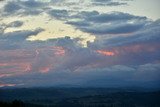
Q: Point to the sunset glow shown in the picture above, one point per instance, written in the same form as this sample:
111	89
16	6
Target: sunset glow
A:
44	69
8	85
91	43
105	53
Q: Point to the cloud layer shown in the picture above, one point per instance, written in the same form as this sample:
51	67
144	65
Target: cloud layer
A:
125	52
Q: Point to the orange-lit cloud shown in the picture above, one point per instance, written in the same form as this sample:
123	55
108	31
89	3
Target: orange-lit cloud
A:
105	53
44	69
136	48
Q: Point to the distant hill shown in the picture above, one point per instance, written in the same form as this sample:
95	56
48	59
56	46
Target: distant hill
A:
78	97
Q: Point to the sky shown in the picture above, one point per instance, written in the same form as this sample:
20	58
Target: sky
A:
83	43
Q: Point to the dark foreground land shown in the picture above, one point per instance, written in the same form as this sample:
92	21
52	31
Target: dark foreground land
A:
78	97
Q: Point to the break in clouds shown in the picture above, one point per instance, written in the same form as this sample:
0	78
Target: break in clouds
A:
125	52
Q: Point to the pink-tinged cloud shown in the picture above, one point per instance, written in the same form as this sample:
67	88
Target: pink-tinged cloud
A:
3	64
5	75
46	58
136	48
14	66
45	69
105	52
7	85
57	50
60	51
21	61
28	67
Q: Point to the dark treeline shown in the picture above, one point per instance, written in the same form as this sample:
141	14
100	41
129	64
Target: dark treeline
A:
78	97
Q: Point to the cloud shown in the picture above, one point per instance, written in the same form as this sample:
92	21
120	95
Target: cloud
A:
136	48
23	8
14	39
20	35
11	7
114	76
28	55
151	72
15	24
125	49
59	14
149	34
120	75
6	85
87	21
32	4
64	61
107	3
66	54
108	23
2	28
102	23
57	1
